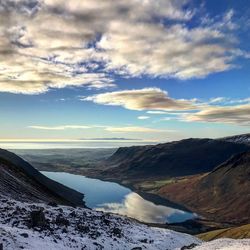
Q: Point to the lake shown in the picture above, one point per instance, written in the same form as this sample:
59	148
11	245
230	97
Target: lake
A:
112	197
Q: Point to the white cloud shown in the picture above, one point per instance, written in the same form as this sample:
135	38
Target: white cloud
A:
57	43
157	101
112	129
143	117
133	129
217	100
156	50
62	127
237	114
141	99
157	112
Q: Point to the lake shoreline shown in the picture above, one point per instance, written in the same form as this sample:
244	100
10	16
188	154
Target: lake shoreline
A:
112	197
191	226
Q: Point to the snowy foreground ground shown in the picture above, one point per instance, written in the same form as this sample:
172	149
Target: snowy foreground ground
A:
47	227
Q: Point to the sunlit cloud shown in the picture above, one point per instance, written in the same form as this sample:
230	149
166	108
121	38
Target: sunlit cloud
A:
141	99
157	102
112	129
237	114
64	127
133	129
143	117
46	45
157	112
135	206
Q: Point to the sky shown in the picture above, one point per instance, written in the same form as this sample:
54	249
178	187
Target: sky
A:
139	69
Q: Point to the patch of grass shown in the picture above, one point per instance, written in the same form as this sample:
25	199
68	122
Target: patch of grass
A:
155	185
234	233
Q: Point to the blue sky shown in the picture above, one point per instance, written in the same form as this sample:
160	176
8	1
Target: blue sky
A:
154	70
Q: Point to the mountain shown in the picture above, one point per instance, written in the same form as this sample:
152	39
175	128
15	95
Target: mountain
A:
19	180
242	139
30	219
173	159
221	195
39	226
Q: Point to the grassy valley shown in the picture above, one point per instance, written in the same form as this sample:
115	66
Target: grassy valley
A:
198	174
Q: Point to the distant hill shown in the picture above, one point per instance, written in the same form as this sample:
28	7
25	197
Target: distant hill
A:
20	181
222	195
173	159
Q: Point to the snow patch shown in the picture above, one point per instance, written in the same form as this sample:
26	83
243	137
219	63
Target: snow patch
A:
51	227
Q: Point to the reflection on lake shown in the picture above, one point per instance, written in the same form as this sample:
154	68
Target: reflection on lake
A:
136	207
112	197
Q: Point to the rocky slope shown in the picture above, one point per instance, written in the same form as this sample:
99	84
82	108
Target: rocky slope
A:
37	226
242	139
19	180
222	195
180	158
30	217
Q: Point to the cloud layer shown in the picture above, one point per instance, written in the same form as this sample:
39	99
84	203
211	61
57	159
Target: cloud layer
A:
56	44
237	114
62	127
157	102
112	129
141	99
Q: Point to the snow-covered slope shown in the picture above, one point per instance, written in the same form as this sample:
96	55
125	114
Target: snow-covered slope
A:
241	139
43	227
225	244
78	228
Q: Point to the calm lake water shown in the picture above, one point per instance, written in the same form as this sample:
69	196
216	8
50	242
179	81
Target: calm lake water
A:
115	198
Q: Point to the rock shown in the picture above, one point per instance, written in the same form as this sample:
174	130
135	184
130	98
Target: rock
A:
38	219
94	234
106	222
136	248
60	210
99	246
25	235
73	214
52	204
61	221
117	232
1	246
144	241
193	245
82	228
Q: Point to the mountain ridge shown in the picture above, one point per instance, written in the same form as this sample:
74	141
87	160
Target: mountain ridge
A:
17	173
178	158
241	139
